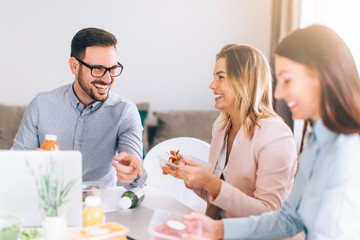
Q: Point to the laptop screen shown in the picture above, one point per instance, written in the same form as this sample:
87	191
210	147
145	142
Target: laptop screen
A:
18	191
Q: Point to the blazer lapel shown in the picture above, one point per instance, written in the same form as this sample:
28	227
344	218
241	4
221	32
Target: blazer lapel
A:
217	144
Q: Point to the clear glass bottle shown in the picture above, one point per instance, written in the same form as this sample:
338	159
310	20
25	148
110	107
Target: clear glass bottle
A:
93	214
131	199
50	143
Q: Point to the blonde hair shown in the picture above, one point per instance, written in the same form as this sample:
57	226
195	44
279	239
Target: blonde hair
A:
249	77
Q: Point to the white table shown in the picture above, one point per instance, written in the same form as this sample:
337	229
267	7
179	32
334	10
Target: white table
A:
138	219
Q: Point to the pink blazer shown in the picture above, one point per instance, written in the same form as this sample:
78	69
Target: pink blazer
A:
260	172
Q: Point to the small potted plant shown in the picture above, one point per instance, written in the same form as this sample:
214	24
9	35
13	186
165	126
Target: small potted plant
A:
53	194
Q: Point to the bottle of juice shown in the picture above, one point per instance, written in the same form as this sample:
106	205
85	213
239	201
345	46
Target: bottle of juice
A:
93	214
131	199
50	143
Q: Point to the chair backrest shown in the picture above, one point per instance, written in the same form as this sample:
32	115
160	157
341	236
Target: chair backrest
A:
171	185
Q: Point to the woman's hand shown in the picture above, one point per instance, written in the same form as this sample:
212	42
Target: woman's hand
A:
194	174
197	176
211	229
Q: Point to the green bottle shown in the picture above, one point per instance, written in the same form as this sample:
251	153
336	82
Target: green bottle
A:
131	199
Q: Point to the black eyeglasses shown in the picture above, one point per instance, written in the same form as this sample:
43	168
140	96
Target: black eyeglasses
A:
99	71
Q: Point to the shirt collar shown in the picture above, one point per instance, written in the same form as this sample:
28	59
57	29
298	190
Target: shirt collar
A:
73	99
321	133
77	104
96	105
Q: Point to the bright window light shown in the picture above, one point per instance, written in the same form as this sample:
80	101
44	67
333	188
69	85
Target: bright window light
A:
342	16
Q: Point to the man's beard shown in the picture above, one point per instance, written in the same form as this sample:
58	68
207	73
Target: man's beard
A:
89	91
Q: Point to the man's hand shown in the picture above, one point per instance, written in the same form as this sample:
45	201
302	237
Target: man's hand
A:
127	167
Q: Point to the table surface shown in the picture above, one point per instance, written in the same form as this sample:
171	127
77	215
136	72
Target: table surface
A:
137	219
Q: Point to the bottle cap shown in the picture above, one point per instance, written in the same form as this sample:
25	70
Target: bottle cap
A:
125	202
92	201
50	137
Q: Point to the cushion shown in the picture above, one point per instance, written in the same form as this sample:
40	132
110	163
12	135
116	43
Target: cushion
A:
143	114
143	111
10	119
197	124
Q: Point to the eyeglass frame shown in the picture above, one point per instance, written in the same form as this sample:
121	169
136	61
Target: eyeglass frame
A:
99	66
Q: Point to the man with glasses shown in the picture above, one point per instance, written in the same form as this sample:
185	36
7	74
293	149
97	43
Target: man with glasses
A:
87	117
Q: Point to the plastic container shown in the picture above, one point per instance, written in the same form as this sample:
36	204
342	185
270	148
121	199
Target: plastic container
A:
109	231
172	169
50	143
92	188
169	226
93	214
168	167
9	227
131	199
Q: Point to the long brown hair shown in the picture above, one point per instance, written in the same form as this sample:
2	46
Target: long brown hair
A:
320	49
249	77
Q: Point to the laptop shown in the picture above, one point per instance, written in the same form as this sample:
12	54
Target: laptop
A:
18	191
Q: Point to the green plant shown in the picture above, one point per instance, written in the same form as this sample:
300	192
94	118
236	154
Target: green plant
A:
29	233
51	189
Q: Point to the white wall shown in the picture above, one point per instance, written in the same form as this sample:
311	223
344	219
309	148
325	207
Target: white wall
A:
167	47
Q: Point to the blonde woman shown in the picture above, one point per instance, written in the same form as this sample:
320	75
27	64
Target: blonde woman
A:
320	84
252	154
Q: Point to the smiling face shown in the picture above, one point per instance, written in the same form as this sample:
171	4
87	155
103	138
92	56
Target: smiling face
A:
87	88
224	97
299	87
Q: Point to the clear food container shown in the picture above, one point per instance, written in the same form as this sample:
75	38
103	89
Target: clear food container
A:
172	169
9	227
170	226
196	160
92	188
108	231
168	167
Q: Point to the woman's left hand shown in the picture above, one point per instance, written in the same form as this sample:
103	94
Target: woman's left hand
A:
198	176
194	174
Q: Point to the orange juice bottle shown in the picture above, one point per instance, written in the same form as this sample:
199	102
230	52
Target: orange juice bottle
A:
50	143
93	214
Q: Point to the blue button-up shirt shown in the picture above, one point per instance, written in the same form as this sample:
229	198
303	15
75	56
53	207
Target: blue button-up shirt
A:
325	200
99	131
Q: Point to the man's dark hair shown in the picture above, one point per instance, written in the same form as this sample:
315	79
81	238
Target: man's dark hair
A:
88	37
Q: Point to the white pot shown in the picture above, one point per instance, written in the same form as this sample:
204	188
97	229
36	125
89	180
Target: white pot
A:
54	228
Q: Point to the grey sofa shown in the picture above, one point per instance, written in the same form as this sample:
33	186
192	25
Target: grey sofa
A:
197	124
10	118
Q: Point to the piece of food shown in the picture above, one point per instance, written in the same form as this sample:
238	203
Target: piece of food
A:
29	233
174	160
9	227
175	157
173	171
110	231
90	190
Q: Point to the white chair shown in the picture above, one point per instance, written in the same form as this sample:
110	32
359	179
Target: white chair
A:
169	184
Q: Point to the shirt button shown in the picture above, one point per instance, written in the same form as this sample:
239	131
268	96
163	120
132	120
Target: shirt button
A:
81	119
77	142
